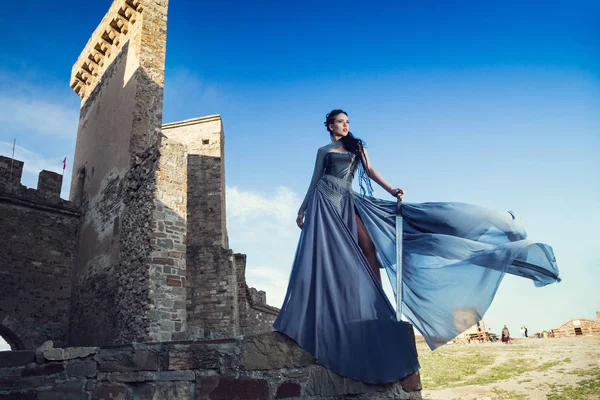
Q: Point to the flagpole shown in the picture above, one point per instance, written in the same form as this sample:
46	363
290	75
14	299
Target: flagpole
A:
399	237
12	160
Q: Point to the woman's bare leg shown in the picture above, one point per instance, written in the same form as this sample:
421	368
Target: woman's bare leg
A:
368	247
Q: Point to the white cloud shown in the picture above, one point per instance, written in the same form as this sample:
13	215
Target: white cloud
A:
29	109
247	205
263	227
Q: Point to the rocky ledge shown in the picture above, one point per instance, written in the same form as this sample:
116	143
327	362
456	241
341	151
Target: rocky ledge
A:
264	366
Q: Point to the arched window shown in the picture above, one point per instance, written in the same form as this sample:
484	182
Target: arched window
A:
9	341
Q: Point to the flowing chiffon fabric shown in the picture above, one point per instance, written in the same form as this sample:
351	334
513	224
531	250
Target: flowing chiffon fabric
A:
454	258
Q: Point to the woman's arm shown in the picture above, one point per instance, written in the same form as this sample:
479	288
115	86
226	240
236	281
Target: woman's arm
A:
317	174
376	176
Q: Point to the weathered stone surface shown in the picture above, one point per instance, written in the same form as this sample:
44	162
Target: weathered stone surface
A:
111	360
176	376
163	391
39	352
46	369
48	344
65	391
18	396
145	360
69	353
109	392
412	382
288	389
194	357
323	382
205	385
16	358
138	376
40	236
14	383
273	350
296	374
240	389
82	369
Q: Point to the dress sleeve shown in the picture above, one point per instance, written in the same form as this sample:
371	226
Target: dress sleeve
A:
317	174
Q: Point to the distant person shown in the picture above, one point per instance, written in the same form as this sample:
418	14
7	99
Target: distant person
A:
506	335
522	331
525	331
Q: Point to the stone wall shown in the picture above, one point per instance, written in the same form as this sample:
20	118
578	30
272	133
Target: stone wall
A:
205	141
212	306
119	77
39	232
167	261
587	326
266	366
256	316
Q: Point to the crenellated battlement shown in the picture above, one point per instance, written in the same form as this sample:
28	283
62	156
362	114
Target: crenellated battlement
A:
11	171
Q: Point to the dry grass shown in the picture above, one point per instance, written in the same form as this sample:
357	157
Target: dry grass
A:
549	369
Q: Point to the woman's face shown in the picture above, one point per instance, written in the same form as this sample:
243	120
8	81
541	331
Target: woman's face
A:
340	125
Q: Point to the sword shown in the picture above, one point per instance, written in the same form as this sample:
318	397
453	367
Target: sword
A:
399	259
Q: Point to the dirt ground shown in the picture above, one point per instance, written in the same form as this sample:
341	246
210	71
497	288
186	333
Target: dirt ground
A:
554	369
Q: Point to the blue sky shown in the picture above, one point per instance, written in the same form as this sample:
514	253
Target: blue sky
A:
495	105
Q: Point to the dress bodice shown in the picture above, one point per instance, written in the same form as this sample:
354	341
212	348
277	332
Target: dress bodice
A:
340	164
331	161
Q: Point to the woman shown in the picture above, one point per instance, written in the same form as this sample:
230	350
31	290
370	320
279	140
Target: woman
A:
454	257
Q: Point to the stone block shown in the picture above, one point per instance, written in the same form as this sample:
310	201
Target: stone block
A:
176	376
205	385
16	358
323	382
65	391
45	369
240	388
18	396
110	392
194	357
271	351
288	389
296	374
138	376
14	383
113	360
82	369
163	391
69	353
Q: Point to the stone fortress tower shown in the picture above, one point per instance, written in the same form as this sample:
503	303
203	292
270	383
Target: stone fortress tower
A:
132	278
142	243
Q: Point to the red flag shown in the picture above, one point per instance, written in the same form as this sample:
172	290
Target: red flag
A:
64	163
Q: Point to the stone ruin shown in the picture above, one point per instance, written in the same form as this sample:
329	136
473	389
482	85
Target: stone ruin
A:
130	289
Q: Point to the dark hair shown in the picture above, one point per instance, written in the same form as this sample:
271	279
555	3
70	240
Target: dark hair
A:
356	146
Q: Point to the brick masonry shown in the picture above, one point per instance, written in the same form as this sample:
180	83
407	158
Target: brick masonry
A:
266	366
120	77
585	327
37	263
212	307
256	315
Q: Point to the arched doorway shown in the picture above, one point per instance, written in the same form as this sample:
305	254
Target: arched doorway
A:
9	341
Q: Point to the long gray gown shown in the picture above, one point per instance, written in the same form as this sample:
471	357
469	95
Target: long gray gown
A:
454	257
